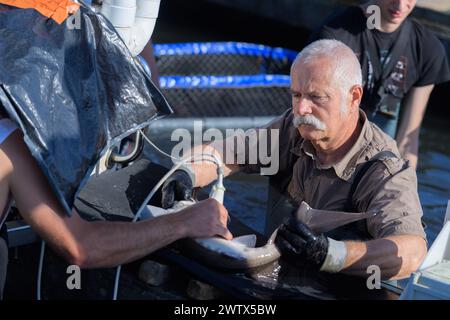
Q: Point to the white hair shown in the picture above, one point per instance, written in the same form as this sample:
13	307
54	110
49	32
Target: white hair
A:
345	65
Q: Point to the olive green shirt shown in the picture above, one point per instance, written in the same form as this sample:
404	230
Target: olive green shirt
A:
388	188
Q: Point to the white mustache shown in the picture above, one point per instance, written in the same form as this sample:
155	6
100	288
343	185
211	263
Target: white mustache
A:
309	120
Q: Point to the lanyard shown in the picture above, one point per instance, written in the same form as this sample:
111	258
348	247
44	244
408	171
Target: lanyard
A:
381	72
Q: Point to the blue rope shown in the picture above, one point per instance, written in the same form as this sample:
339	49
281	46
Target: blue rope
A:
224	81
217	48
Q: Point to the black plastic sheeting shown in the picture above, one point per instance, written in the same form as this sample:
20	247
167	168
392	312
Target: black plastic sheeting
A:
74	89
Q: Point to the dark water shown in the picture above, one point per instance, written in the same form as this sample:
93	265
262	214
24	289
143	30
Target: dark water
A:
246	196
433	173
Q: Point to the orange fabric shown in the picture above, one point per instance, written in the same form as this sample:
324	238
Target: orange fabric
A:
57	10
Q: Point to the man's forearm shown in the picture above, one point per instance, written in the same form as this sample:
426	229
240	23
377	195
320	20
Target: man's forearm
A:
396	256
411	152
106	244
205	171
96	244
414	108
409	148
113	243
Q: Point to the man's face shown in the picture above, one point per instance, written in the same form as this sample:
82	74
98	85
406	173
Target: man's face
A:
395	11
317	102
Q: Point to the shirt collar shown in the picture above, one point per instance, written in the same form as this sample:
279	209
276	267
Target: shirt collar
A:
346	166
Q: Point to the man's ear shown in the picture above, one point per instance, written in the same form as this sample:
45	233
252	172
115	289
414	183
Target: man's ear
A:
356	93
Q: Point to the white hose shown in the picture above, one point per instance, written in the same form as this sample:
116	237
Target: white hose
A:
39	276
134	20
193	158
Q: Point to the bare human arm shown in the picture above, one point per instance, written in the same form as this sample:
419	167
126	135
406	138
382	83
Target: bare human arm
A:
408	133
399	244
396	256
206	171
96	244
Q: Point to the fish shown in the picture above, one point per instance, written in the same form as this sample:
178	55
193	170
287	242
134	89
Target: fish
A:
240	253
322	221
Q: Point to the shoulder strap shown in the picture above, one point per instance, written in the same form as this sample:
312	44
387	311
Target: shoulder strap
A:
382	72
360	174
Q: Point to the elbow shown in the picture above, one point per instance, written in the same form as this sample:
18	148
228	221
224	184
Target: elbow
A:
408	259
78	248
419	257
79	260
78	255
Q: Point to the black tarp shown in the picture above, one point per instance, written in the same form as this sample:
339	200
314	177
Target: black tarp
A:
74	89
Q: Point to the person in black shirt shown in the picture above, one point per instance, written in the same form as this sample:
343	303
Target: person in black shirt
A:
401	62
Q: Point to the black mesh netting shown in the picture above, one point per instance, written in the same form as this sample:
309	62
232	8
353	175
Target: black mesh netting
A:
193	77
248	101
223	64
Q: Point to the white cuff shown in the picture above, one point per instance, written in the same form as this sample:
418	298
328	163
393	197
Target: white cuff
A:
336	256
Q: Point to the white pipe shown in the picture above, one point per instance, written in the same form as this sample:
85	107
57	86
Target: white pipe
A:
134	20
195	157
221	123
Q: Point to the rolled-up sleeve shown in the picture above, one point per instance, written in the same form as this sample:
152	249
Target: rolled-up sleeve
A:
260	150
395	201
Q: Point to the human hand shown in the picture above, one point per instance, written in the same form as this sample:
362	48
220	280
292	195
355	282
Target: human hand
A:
177	187
299	245
206	218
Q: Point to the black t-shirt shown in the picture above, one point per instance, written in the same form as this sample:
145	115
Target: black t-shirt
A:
422	62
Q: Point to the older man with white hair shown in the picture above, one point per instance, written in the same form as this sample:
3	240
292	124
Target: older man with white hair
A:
332	158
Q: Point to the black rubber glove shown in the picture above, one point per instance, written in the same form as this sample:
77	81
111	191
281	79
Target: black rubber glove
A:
300	246
176	188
